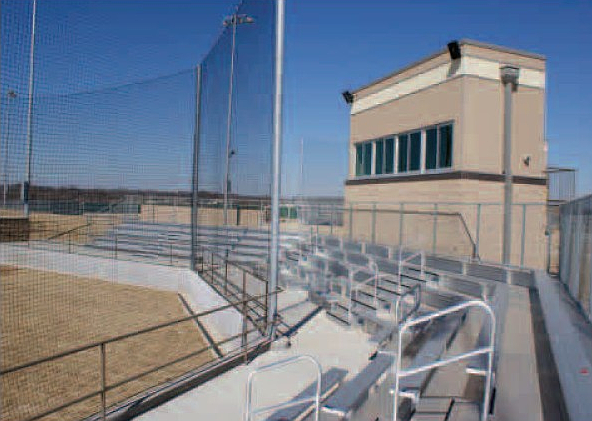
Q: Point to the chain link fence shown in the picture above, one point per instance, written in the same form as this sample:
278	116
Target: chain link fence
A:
575	269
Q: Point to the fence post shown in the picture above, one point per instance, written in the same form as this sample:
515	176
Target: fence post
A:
103	381
374	223
523	238
478	228
435	229
401	210
332	212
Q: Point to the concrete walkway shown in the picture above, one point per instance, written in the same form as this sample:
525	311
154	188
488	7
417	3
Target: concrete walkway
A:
223	398
518	396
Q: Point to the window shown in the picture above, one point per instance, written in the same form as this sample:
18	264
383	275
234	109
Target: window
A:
359	160
364	158
378	165
415	151
368	158
431	149
389	155
403	151
445	149
379	156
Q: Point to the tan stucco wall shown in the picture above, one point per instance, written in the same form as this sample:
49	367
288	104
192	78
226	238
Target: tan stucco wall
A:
450	237
481	143
437	104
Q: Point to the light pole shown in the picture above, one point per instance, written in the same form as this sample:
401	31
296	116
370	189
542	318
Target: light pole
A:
509	77
29	151
232	21
6	161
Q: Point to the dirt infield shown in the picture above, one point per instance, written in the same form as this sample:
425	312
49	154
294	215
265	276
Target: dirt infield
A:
44	313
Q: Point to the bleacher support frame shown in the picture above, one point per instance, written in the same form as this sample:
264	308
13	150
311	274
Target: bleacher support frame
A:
316	398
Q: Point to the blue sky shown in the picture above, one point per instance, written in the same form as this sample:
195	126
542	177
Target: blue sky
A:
330	46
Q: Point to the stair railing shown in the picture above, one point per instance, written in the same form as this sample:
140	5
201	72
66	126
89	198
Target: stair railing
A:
251	413
488	350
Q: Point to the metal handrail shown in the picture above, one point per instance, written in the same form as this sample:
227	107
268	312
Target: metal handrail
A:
490	350
407	260
316	398
101	345
416	292
359	285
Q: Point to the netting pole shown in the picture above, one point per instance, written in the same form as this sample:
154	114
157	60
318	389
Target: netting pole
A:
194	180
276	167
27	181
229	119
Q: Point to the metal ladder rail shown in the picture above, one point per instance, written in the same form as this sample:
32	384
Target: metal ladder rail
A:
250	412
399	373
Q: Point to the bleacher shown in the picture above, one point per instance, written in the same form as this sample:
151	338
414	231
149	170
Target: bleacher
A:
370	287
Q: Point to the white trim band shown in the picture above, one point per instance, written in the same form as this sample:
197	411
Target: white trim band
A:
469	66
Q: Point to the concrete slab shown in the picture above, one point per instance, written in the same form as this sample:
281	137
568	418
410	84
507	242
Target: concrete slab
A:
518	396
223	398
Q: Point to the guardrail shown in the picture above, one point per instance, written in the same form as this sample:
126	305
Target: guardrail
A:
400	373
101	346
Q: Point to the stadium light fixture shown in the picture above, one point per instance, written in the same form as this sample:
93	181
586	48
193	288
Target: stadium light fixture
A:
454	50
348	97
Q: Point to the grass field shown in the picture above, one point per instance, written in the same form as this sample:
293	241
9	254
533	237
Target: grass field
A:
44	313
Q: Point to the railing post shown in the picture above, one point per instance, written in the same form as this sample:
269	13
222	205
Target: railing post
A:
170	252
374	223
523	239
332	213
212	267
478	229
226	274
244	336
116	243
435	229
401	213
351	220
103	381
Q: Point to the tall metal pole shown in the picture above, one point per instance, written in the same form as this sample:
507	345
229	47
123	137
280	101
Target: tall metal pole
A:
194	181
301	177
509	77
6	153
233	22
276	164
29	150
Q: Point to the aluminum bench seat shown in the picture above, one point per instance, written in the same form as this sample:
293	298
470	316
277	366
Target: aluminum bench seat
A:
330	381
439	337
464	411
350	396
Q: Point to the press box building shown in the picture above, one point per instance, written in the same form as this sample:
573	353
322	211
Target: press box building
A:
432	132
